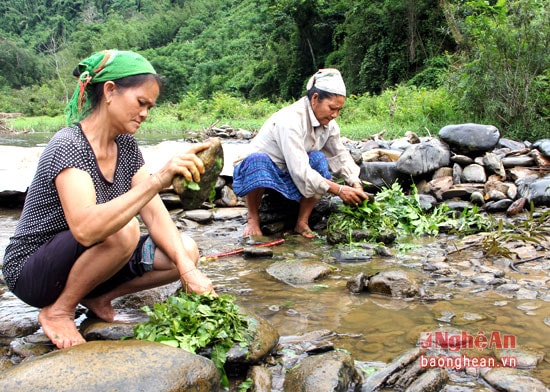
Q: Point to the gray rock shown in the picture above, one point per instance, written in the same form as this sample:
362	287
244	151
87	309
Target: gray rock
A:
198	215
526	359
506	379
462	160
493	163
351	255
477	198
261	379
228	198
522	160
498	206
17	319
474	173
356	283
379	174
226	214
457	173
470	137
257	251
394	283
430	381
329	372
427	202
496	195
377	380
423	158
264	337
543	146
512	145
535	190
112	366
296	272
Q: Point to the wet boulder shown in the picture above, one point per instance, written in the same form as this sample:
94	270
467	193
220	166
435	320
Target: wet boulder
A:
114	365
395	283
328	372
468	138
263	339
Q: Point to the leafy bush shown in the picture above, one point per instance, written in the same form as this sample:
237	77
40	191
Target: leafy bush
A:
503	74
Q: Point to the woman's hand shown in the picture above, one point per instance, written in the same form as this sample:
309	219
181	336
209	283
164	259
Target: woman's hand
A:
187	164
194	281
352	195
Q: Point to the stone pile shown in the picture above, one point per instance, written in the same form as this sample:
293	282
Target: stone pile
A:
469	163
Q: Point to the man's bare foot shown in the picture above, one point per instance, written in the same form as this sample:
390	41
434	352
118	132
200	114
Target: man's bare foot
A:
252	228
101	307
59	327
305	232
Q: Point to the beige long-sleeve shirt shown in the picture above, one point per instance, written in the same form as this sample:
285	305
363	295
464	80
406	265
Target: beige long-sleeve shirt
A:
287	137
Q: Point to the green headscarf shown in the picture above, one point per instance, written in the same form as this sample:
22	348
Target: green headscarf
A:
101	67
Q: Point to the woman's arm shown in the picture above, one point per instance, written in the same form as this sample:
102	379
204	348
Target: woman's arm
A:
91	223
167	238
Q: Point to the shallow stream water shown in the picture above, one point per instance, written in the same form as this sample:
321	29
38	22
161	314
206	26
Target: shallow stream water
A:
372	327
377	327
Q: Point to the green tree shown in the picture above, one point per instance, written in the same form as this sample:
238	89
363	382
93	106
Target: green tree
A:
504	73
388	42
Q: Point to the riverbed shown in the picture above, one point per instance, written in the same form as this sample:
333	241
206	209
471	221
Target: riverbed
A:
375	327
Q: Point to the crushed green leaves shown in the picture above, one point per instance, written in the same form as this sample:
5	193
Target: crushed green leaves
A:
393	214
193	322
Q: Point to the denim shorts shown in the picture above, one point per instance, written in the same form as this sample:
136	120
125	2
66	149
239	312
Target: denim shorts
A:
45	273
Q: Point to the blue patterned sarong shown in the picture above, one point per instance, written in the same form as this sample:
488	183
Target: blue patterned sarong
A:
258	171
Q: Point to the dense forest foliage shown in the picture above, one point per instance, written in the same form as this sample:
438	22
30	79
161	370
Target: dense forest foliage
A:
491	57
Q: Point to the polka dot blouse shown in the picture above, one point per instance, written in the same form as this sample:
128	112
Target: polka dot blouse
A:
42	216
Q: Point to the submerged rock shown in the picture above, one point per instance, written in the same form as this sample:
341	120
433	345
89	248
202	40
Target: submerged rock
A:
297	272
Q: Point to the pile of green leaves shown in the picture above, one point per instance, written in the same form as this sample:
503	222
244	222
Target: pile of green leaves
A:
392	213
193	322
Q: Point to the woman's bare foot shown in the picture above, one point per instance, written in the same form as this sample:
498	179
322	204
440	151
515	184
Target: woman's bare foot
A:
101	307
252	228
305	232
59	327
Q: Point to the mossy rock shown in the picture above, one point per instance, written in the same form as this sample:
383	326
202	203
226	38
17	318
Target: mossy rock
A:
193	198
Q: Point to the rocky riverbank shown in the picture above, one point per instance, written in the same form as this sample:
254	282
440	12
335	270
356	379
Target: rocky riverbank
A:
317	360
